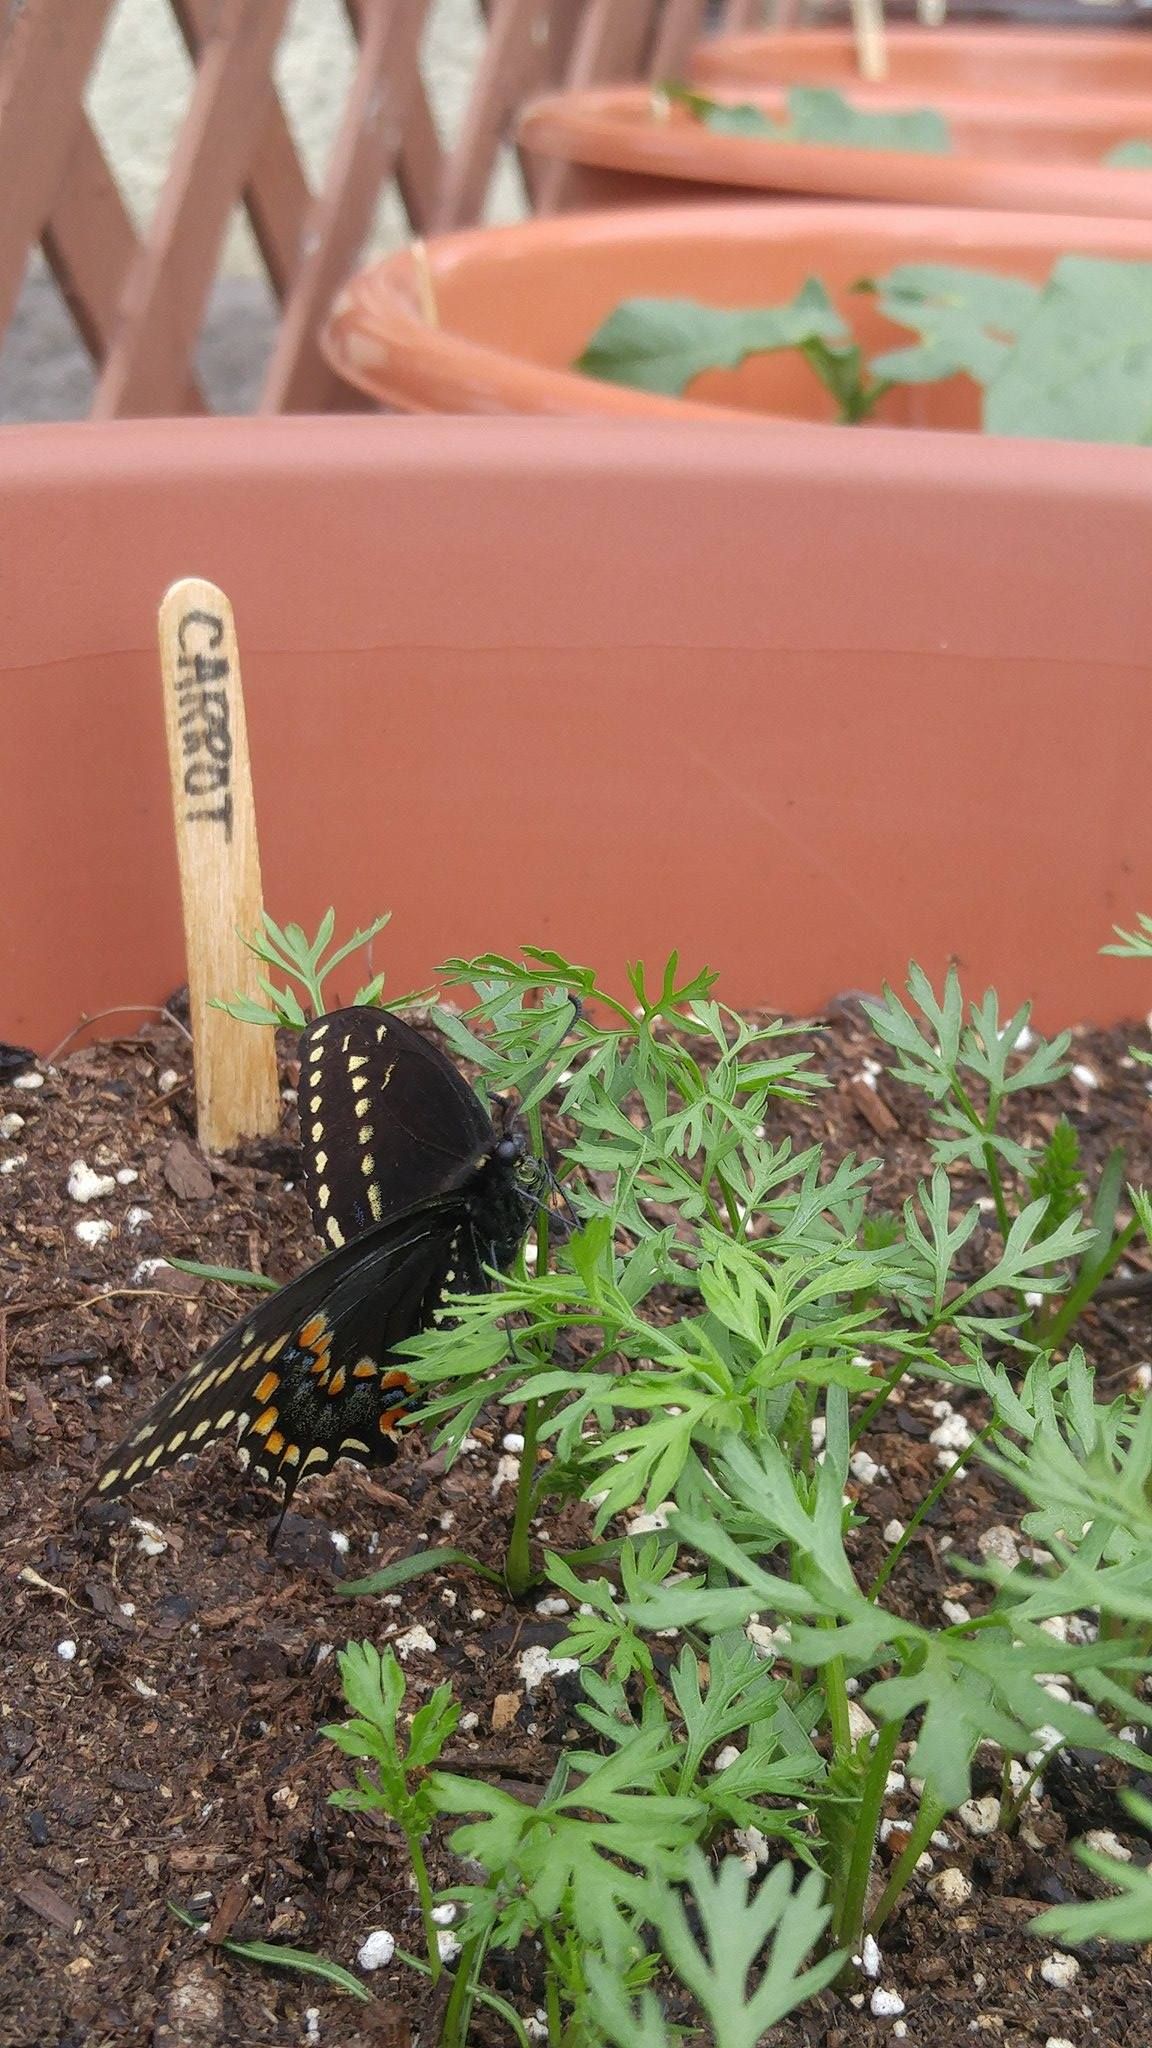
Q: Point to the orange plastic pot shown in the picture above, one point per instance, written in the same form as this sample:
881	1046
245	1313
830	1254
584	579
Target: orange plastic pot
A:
620	147
936	62
802	705
515	306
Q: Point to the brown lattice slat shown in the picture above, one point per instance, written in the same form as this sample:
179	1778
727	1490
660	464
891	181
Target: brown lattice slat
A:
363	159
48	53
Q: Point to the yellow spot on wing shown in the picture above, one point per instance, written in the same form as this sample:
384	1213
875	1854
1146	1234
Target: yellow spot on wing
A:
273	1350
322	1196
359	1083
321	1162
316	1456
374	1202
317	1132
367	1165
334	1231
358	1060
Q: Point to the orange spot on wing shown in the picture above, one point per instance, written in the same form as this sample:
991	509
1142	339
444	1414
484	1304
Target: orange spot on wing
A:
275	1443
267	1387
397	1379
313	1331
364	1369
337	1382
265	1422
389	1419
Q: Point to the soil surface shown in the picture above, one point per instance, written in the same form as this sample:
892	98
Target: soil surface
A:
164	1677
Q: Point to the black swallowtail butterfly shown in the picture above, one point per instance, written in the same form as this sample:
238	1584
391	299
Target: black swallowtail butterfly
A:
415	1191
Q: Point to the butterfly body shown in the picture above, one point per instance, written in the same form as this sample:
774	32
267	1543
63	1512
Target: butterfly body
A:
417	1194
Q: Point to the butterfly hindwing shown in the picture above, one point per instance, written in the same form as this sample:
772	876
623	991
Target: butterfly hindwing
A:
386	1121
309	1376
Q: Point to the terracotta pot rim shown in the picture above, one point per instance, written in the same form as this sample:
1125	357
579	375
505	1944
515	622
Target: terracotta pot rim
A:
1000	39
600	129
378	338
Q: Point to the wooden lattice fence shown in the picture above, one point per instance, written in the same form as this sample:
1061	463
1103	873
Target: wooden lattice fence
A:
138	296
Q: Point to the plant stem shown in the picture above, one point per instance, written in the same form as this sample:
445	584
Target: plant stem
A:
848	1921
518	1563
458	2011
836	1694
482	1997
424	1891
1081	1294
924	1826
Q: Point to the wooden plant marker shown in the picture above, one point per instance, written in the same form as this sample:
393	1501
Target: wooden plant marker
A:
237	1091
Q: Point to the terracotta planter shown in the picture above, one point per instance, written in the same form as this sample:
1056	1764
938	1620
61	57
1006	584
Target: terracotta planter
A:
612	147
517	305
939	61
802	705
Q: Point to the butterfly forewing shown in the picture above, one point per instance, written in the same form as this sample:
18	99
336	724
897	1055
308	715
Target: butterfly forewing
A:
385	1121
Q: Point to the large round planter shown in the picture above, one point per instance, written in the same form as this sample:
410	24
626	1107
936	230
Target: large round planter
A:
937	62
619	147
802	705
515	306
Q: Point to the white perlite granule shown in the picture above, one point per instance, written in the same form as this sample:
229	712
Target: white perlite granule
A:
949	1889
886	2004
1059	1970
377	1951
86	1186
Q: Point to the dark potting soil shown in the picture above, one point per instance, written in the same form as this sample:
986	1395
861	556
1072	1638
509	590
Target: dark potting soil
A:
163	1678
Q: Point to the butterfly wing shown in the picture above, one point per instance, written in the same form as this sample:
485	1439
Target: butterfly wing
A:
310	1375
386	1121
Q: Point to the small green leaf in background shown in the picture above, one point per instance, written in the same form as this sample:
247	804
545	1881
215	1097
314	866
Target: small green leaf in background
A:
726	117
662	344
1130	156
817	114
1081	369
281	1958
966	319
